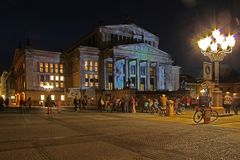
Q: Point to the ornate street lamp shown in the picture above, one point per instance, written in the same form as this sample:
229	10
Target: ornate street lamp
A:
216	47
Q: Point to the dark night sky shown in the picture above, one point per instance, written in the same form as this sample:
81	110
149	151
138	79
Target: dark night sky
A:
55	25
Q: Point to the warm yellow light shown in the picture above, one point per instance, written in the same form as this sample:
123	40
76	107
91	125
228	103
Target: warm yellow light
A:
224	45
220	39
204	43
214	47
230	40
216	33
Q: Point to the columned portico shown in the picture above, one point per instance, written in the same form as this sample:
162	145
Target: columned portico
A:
144	68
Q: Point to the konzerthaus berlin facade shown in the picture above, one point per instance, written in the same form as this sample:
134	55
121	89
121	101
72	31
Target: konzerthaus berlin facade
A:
113	57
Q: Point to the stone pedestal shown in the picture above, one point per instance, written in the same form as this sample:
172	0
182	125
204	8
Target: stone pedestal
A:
217	101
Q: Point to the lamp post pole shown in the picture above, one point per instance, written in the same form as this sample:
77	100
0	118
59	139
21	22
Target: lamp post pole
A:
216	47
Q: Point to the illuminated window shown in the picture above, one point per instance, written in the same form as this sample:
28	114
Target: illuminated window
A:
46	67
86	65
51	83
96	66
56	68
62	98
86	80
41	84
96	79
56	84
61	78
53	97
42	78
57	78
51	68
61	68
52	78
42	97
91	80
90	66
61	85
41	67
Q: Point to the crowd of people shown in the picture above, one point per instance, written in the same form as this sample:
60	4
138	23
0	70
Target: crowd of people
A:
144	104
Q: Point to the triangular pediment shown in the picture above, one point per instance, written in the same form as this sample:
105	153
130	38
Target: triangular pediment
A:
131	29
142	48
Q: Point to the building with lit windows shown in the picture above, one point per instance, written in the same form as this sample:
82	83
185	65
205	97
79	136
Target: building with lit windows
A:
116	57
37	74
111	58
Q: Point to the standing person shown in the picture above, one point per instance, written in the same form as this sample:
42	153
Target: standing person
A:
1	103
7	102
75	102
22	106
84	102
101	104
80	103
29	102
58	105
126	104
227	102
133	104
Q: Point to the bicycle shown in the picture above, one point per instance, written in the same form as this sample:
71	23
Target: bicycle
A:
201	112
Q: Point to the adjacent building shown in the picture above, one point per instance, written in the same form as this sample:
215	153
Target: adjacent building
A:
38	74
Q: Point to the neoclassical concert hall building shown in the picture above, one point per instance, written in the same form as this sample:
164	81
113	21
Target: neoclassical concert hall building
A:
111	58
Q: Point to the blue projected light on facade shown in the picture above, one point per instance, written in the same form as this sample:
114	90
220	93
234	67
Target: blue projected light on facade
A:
119	74
161	78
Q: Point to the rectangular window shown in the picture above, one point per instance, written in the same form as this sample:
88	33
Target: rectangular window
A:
47	78
91	80
56	68
46	67
52	97
51	84
61	85
41	67
41	84
42	78
90	66
51	68
61	68
62	98
52	78
86	65
61	78
96	80
143	70
86	80
42	97
56	84
133	69
96	66
57	78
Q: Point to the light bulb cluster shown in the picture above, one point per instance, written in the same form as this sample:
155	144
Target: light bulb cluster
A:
216	42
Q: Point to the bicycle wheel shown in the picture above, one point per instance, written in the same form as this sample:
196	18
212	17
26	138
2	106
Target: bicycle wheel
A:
214	115
198	116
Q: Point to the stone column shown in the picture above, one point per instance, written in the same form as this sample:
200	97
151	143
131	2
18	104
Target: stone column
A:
113	72
126	71
137	74
157	77
148	75
104	74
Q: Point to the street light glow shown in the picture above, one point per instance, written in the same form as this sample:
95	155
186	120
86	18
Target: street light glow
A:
214	47
230	40
216	33
217	43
